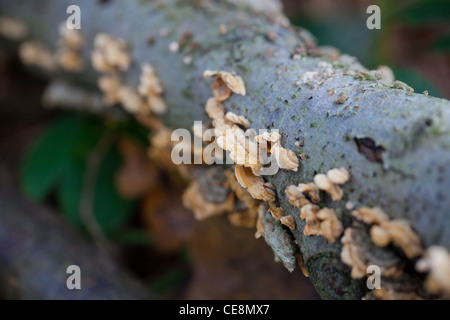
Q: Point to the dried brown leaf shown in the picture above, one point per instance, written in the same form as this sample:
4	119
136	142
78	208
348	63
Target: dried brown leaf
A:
194	200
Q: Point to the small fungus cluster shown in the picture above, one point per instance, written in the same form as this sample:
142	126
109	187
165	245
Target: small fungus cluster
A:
110	54
436	262
367	243
383	231
232	134
36	53
358	258
321	222
229	128
194	200
255	185
13	29
69	49
110	57
151	89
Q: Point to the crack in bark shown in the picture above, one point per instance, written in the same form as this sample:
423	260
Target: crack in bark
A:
368	148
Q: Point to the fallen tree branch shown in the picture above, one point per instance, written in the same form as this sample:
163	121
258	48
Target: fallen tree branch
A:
36	248
394	143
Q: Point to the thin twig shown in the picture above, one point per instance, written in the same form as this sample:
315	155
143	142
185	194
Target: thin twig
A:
87	197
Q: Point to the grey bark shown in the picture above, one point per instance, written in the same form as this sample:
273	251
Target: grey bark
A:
395	144
36	248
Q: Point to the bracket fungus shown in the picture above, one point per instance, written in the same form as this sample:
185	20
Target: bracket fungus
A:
311	190
296	197
271	137
110	54
243	151
225	84
214	109
109	84
385	231
240	120
256	186
277	212
37	54
69	49
70	38
151	89
358	253
321	222
285	158
194	200
246	217
329	182
288	221
436	262
131	100
13	29
69	60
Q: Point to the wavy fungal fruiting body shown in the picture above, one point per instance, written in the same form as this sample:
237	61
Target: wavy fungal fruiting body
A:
319	222
110	54
358	257
362	248
151	89
111	57
69	49
194	200
248	216
277	212
13	29
225	84
329	182
385	231
240	120
285	158
37	54
436	262
255	185
244	146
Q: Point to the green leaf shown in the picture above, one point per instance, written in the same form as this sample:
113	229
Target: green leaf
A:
57	162
69	192
131	129
168	280
61	143
442	44
132	237
416	81
111	210
424	12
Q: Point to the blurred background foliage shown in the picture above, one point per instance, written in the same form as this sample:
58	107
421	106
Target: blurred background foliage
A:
414	39
81	163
